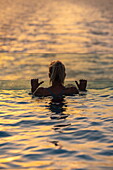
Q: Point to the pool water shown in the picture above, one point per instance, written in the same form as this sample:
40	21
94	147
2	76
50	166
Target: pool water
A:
36	133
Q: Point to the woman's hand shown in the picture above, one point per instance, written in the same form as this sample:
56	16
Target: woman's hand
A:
81	85
35	84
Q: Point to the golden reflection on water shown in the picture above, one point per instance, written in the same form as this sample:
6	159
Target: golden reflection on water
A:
40	137
56	26
78	66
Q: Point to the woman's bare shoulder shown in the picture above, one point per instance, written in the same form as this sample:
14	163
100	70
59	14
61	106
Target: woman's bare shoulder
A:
71	90
41	91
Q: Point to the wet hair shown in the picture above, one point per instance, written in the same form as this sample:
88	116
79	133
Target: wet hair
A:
57	72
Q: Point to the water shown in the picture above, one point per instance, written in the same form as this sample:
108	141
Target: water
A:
26	66
38	134
41	26
76	134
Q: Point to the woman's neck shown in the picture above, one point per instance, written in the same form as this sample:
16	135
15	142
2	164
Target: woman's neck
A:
54	84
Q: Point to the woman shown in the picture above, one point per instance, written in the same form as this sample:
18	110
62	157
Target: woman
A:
57	89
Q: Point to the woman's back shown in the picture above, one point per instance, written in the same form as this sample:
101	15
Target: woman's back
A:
56	91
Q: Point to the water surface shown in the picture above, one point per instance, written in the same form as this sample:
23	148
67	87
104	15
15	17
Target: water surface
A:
83	26
38	134
26	66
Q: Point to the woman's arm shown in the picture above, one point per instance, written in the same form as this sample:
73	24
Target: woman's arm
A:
35	84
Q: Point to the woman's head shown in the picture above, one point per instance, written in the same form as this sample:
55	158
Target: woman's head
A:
57	72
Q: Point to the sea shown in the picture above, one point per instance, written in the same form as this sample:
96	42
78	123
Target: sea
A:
37	133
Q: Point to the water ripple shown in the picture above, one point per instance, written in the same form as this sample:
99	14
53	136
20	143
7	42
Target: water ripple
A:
85	157
34	156
4	134
90	135
106	153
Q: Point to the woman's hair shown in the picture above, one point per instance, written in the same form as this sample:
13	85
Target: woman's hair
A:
57	71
